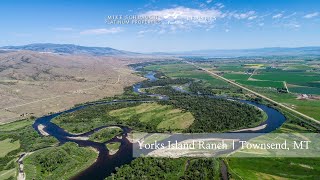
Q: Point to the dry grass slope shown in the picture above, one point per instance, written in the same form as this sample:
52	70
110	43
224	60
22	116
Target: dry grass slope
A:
33	83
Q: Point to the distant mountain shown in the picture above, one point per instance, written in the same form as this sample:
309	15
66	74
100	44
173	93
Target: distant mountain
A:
69	49
275	51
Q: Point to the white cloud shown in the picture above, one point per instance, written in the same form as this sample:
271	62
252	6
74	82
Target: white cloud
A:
63	29
252	17
102	31
247	15
182	18
311	15
277	16
183	13
220	5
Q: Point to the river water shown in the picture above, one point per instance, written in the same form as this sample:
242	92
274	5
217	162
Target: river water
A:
105	163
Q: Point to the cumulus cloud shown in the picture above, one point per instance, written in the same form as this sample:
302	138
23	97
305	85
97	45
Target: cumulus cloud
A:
311	15
101	31
277	16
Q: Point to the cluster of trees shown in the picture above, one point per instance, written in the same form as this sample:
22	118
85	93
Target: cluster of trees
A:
29	141
166	168
89	118
212	114
61	162
202	169
197	87
164	82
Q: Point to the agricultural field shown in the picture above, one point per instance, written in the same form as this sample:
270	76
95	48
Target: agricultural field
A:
165	117
295	84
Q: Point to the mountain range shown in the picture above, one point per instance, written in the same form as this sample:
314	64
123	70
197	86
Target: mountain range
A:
69	49
101	51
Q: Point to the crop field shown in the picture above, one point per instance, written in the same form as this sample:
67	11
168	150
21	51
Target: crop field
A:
289	77
236	76
201	76
181	70
301	77
273	84
166	117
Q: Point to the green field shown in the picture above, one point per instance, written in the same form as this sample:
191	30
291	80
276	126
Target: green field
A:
237	76
308	107
16	125
274	168
201	76
105	134
304	90
7	146
289	77
273	84
61	162
165	117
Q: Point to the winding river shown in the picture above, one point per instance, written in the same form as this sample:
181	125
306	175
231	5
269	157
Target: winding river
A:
105	163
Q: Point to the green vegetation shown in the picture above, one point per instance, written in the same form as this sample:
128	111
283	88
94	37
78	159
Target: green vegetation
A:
236	76
166	168
274	168
212	114
61	162
21	138
16	125
305	90
158	117
166	81
89	118
105	134
113	147
8	174
308	107
7	146
273	84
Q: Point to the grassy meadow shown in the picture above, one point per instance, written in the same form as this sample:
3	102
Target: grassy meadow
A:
164	116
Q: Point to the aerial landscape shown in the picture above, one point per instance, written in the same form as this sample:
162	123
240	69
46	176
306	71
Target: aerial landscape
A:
181	90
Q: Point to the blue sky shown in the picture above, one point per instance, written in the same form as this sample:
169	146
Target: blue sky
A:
229	24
